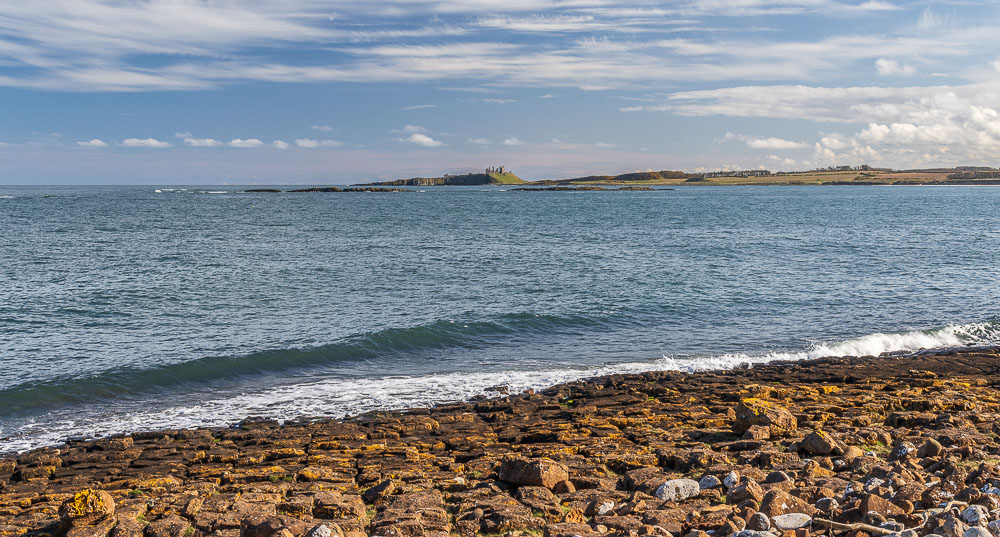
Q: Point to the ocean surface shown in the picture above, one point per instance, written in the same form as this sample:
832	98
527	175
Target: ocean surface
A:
136	308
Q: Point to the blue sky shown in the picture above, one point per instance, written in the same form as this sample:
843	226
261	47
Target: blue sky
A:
311	91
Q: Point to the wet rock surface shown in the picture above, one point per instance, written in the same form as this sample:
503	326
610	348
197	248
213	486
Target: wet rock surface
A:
862	447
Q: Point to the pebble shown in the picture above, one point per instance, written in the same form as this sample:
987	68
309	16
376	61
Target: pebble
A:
759	522
321	530
731	480
709	482
977	531
792	521
605	508
751	533
975	515
827	504
678	490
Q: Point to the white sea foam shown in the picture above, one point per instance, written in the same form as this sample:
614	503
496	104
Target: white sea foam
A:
339	397
6	197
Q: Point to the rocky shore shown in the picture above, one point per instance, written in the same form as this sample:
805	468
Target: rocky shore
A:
863	447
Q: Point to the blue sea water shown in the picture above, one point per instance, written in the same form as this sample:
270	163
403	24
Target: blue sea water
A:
131	308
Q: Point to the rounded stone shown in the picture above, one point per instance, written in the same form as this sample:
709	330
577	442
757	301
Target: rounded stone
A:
977	531
759	522
975	515
792	521
678	490
709	482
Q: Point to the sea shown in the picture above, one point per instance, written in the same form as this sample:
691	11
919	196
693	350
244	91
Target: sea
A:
127	308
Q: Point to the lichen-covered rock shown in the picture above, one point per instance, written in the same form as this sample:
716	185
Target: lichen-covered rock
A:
87	507
754	411
540	472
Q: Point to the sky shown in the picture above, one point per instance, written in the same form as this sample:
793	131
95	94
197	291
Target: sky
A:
333	91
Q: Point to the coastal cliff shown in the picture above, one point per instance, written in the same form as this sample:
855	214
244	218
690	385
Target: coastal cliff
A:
864	447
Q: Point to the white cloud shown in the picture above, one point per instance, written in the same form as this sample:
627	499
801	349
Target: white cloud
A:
423	139
322	128
245	143
479	141
201	142
413	128
892	67
419	106
145	142
280	144
309	143
605	145
185	134
513	141
500	101
96	142
754	142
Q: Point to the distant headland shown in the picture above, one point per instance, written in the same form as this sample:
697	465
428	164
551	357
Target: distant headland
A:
834	175
490	176
838	175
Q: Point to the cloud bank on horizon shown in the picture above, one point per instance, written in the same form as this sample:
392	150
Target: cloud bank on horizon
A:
337	91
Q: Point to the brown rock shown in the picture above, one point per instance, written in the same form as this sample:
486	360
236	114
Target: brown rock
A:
170	526
820	442
778	502
87	507
564	487
757	432
747	490
569	529
101	529
128	527
754	411
264	526
877	504
540	472
380	491
338	506
931	448
414	514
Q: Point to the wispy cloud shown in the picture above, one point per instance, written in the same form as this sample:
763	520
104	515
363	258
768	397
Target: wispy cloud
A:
423	139
309	143
892	67
322	128
419	106
513	141
773	143
201	142
145	142
246	143
96	142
